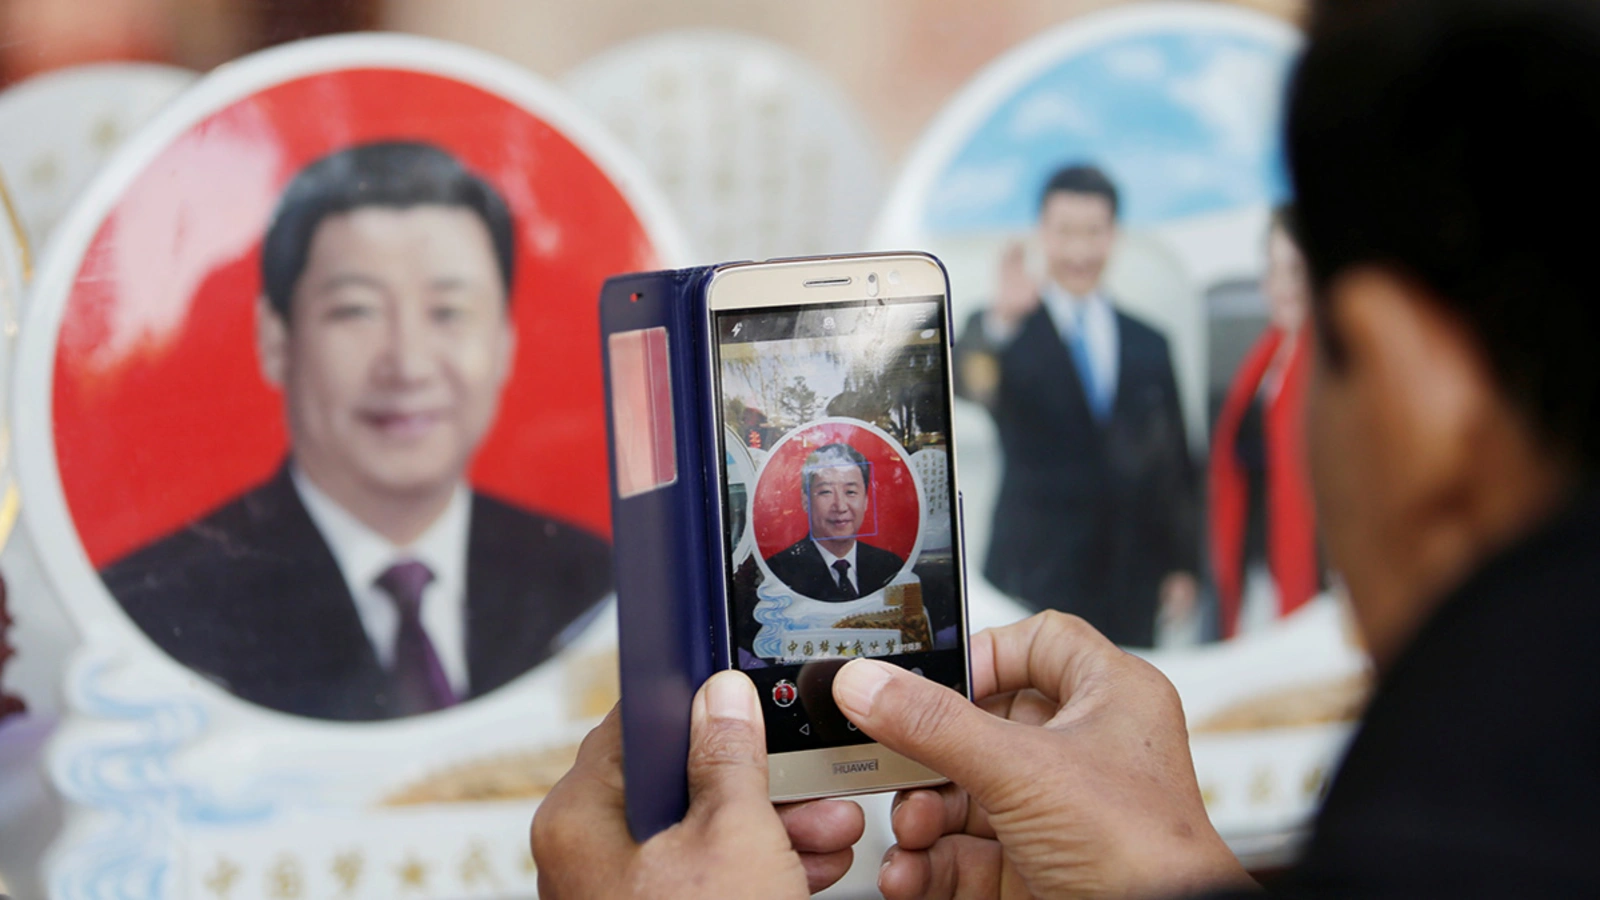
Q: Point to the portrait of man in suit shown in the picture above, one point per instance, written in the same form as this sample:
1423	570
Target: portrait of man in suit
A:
1096	512
833	563
366	579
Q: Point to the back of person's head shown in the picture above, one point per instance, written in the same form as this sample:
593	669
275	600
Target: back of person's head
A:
1455	142
387	174
1080	178
1286	220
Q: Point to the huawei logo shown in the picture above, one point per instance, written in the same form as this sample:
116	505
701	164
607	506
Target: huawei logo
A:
854	766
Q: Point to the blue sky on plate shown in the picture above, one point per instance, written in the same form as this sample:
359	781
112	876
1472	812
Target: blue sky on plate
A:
1186	122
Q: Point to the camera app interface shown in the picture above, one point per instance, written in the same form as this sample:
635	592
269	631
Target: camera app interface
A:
839	501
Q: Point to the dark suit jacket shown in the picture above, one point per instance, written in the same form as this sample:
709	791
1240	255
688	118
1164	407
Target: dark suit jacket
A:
1476	772
251	597
802	568
1091	516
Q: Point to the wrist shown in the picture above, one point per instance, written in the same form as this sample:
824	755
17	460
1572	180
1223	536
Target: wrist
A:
1194	867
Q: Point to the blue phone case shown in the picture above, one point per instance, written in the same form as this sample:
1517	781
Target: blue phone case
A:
667	542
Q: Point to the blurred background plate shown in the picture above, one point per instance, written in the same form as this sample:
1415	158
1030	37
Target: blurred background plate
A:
62	126
759	153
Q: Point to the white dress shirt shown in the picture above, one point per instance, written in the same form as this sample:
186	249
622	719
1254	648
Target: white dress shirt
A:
828	559
364	555
1099	323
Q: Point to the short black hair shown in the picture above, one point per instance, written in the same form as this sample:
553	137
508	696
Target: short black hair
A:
394	174
1285	219
1081	178
1450	140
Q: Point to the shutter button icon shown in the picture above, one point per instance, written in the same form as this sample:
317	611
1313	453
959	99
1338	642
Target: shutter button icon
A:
784	693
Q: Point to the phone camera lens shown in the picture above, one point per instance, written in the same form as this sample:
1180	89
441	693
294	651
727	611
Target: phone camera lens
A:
872	284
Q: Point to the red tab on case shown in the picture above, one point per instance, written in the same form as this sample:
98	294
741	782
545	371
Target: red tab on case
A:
641	411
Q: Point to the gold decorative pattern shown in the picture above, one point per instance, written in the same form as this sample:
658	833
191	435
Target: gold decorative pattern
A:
1320	703
521	776
24	249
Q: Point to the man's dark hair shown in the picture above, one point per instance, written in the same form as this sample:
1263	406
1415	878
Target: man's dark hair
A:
1450	140
1285	219
392	174
1080	179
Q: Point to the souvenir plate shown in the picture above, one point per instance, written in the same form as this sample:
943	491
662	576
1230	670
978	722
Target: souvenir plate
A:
1177	107
335	272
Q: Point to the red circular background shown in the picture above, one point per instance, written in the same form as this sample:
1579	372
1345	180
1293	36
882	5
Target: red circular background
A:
779	515
159	410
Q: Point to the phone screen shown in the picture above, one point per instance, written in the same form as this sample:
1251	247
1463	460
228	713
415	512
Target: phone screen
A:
839	499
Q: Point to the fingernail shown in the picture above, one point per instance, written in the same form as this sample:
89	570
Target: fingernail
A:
729	695
858	683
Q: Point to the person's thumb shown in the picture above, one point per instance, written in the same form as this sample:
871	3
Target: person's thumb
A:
727	746
928	723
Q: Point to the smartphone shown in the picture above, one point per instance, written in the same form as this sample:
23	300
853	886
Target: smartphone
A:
784	500
832	394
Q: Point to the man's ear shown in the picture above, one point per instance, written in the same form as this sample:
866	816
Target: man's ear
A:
506	349
1423	379
272	343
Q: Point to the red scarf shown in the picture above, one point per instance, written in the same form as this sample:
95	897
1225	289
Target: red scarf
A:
1291	525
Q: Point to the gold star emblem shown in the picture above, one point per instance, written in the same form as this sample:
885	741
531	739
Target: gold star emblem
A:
1209	795
222	878
413	874
44	172
475	867
106	134
1316	781
347	870
284	879
1262	788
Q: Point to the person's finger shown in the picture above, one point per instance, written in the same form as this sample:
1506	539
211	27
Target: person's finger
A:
823	870
958	867
1028	707
583	816
1058	655
823	826
939	728
727	747
921	817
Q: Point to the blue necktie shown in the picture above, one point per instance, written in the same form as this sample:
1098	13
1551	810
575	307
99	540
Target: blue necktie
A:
1093	391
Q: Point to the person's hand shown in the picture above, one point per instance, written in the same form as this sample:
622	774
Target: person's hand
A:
1180	596
733	843
1017	294
1073	779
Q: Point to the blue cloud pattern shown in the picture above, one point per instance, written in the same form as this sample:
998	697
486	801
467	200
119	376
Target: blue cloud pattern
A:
1186	122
